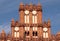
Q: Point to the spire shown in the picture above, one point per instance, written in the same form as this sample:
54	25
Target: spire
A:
31	5
21	3
39	7
45	23
12	20
39	4
48	22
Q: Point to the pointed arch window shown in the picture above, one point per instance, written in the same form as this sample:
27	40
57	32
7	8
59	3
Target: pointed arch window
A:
45	34
34	19
16	34
26	17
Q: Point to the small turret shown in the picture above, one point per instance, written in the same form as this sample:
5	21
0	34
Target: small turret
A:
3	34
3	31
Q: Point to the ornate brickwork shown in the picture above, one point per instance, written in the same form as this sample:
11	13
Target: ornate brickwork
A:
30	26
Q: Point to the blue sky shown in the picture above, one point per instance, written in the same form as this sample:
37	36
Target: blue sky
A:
9	10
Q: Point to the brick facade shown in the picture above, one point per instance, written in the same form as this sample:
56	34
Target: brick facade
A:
33	29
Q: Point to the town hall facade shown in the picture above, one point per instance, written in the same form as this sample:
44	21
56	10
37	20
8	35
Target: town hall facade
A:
30	26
